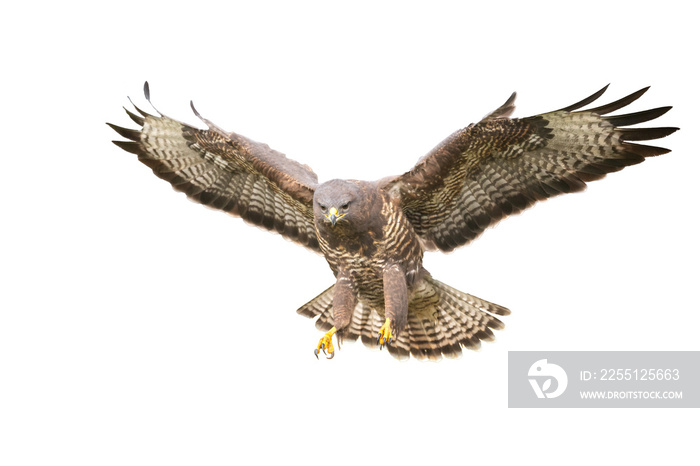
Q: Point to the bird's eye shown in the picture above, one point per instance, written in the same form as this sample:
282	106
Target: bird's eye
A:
344	206
323	207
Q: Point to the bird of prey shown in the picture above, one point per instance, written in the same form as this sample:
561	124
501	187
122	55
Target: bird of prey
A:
373	234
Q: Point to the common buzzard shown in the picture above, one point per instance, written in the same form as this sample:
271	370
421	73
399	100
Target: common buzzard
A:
374	234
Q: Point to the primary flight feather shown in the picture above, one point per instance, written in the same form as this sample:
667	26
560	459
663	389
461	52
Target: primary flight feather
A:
374	234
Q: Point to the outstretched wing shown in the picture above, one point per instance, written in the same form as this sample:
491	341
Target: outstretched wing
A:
227	171
500	166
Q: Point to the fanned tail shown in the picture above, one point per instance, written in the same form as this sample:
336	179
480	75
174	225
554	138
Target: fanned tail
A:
365	321
441	321
320	305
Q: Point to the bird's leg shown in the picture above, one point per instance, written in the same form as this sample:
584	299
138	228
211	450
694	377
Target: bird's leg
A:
395	304
344	301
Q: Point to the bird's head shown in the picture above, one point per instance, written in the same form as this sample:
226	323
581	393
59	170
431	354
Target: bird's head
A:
338	203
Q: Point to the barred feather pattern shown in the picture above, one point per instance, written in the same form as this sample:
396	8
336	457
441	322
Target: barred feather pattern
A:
229	172
470	181
441	321
501	166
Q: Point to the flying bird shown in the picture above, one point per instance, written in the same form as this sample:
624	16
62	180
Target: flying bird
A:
373	234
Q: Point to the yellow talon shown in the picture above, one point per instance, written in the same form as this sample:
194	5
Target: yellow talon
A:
385	335
326	344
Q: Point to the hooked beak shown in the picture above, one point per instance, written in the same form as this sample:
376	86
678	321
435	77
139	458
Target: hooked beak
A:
333	215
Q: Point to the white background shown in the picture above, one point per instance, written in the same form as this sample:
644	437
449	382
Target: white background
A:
139	328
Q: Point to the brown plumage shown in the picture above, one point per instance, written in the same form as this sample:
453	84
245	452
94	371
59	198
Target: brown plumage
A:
373	234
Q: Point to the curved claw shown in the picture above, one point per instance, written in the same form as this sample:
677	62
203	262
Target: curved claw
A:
385	335
326	342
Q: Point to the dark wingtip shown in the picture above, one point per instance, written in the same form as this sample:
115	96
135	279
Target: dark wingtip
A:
645	134
510	101
502	311
643	150
195	110
585	101
509	104
133	147
147	94
131	134
637	117
618	104
504	111
144	114
135	118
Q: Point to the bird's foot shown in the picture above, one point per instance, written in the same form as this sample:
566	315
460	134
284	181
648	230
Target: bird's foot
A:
326	344
385	335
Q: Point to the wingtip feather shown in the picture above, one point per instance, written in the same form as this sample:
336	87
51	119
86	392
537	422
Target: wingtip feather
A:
195	111
644	150
645	134
505	110
143	114
135	118
618	104
591	98
637	117
131	134
133	147
147	94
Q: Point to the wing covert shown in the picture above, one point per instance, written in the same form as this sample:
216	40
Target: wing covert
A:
227	171
501	166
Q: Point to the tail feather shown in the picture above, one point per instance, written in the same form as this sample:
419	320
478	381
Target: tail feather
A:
425	344
359	320
321	305
441	321
370	331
